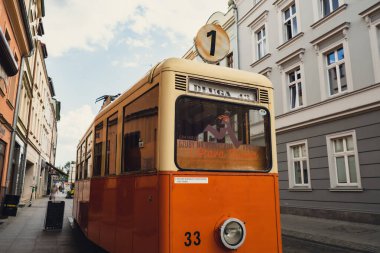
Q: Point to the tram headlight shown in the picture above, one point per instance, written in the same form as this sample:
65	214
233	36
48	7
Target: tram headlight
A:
232	233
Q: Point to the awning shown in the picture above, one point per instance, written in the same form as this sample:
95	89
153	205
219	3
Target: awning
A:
54	170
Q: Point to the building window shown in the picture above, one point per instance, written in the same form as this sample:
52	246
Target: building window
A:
2	157
290	22
8	38
295	88
343	160
230	60
336	71
261	43
328	6
298	164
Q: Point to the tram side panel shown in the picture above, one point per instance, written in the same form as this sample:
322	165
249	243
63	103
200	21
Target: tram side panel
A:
198	209
123	213
95	209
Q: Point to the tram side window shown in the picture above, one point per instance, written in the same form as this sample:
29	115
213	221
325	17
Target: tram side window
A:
98	150
111	145
140	133
77	165
213	135
82	168
85	169
88	154
83	164
78	172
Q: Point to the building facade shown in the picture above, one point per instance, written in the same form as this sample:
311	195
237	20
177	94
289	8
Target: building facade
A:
15	45
29	153
322	57
42	128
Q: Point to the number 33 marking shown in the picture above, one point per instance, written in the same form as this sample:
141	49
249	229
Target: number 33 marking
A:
189	241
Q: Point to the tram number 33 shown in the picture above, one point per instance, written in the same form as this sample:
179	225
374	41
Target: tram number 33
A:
192	239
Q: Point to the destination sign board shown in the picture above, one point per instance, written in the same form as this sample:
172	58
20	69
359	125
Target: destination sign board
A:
210	88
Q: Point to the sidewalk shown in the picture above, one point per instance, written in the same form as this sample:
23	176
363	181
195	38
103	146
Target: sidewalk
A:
24	233
356	236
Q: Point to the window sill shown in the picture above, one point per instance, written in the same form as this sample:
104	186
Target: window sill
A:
300	189
328	17
290	41
296	108
346	189
260	60
2	88
342	93
10	105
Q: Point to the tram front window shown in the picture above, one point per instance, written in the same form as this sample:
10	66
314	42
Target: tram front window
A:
213	135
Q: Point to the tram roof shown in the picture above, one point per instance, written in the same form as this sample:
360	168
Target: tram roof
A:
199	69
218	72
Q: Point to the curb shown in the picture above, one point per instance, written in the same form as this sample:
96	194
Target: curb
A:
331	241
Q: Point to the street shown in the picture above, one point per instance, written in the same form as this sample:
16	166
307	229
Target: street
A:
24	234
295	245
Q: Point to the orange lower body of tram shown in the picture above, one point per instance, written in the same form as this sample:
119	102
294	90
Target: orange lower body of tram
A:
152	213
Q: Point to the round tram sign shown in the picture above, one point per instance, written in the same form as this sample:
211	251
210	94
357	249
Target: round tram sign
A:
212	43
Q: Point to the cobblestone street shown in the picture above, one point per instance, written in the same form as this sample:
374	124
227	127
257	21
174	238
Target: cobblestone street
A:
25	232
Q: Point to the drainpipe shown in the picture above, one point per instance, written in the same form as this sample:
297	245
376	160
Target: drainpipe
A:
236	16
26	143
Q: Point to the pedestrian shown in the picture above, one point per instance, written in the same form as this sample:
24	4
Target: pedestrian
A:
53	192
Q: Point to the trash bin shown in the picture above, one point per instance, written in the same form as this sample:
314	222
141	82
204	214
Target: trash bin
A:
54	215
10	205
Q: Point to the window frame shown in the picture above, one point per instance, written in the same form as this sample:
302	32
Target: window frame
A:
101	128
123	170
335	65
341	30
3	155
333	171
257	24
270	160
281	7
331	7
107	157
261	51
296	71
285	65
230	60
291	169
291	19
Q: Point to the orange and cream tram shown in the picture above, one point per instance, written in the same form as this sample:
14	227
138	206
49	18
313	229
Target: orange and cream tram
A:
183	162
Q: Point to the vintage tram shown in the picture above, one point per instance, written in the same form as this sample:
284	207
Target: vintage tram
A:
184	161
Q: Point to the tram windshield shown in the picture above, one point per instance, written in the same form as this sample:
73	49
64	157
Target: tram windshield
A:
213	135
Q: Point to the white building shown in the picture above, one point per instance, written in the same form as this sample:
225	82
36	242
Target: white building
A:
323	59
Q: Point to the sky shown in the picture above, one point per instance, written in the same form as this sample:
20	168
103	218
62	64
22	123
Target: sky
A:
102	47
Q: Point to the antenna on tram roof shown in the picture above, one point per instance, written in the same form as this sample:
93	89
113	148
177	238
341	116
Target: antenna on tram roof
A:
107	99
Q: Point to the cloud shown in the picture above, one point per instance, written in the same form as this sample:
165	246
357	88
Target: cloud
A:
144	43
124	64
71	128
93	24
